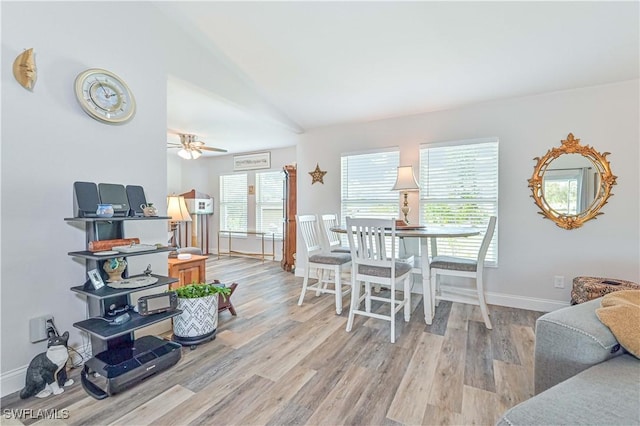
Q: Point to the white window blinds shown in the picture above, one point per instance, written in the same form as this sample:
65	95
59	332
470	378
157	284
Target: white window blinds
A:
269	209
233	202
366	184
459	187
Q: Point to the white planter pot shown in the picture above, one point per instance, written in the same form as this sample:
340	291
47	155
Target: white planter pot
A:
199	317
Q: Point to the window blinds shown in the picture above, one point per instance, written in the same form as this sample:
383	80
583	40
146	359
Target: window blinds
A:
459	187
366	184
233	202
269	208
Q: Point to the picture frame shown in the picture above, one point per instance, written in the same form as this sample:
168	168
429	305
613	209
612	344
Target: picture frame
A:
96	279
260	160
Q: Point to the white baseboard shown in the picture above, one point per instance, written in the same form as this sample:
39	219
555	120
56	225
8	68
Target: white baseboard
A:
14	380
500	299
523	302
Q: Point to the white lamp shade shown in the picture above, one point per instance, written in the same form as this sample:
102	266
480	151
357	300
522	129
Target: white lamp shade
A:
183	153
177	209
406	180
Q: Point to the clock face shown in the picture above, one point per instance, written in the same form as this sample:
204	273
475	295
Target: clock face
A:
104	96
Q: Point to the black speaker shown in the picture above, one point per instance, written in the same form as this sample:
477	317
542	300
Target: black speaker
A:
116	195
85	199
135	195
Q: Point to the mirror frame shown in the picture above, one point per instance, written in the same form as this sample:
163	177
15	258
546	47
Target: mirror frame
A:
572	146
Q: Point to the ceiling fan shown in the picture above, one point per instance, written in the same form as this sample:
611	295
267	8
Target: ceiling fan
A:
190	148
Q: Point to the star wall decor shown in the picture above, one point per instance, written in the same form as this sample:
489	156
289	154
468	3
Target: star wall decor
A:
317	175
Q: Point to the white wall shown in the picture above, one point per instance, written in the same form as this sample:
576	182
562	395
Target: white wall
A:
48	142
203	176
531	250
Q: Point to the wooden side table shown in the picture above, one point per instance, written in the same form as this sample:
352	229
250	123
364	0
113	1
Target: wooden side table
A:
187	271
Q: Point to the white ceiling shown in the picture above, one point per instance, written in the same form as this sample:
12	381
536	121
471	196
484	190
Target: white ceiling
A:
325	63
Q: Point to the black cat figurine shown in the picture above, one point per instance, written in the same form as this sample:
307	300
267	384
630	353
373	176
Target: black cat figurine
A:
46	373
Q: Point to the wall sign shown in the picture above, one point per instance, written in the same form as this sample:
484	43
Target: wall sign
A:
261	160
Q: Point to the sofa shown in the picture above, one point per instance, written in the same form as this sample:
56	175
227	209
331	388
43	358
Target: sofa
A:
581	373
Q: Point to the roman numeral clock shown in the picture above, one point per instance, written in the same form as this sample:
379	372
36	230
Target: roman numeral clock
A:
105	96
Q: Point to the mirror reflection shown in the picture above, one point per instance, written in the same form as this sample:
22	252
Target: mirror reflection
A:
570	184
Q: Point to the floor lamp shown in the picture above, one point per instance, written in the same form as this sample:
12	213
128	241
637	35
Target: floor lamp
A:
406	181
177	210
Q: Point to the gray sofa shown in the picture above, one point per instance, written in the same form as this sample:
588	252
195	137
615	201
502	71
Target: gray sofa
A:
582	376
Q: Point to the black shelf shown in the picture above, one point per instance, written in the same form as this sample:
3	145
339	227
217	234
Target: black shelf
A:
103	330
107	292
115	219
91	255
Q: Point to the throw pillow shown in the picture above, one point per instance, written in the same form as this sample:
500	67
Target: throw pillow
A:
620	312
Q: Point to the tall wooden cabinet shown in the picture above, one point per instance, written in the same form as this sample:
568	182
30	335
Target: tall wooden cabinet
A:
290	210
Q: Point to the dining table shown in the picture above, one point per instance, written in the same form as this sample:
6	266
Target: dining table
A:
428	236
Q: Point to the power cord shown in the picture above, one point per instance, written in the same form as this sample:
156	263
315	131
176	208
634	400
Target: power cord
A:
51	329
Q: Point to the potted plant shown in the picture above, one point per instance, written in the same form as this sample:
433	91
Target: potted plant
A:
199	318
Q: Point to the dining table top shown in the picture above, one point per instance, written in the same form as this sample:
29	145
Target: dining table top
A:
427	231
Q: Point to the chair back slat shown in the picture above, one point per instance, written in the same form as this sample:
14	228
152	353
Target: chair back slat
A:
368	241
331	221
308	226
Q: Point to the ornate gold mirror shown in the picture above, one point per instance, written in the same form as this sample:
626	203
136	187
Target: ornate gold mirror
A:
570	184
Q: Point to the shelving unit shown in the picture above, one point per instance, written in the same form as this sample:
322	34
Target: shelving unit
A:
103	335
117	355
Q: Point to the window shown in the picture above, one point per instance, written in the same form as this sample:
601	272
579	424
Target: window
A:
233	202
459	187
366	184
269	210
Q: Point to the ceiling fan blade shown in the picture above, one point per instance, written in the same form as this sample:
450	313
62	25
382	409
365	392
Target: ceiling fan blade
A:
206	148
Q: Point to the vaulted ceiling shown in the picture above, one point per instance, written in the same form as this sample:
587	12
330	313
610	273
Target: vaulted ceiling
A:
325	63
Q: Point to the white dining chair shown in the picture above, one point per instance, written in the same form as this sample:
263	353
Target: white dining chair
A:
324	262
463	267
333	239
372	263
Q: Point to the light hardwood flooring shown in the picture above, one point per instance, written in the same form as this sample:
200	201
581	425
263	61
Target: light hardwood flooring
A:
278	363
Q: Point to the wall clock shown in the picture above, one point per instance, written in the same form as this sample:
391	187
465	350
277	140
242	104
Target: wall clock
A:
105	96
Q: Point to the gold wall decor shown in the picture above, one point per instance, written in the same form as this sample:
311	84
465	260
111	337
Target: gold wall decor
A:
570	184
24	69
317	175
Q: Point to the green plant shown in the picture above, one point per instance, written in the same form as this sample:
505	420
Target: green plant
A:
195	290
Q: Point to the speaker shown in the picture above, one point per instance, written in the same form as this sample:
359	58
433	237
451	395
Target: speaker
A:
135	195
85	199
116	195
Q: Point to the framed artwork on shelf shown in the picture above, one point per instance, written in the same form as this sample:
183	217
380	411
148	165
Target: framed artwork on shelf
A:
261	160
96	279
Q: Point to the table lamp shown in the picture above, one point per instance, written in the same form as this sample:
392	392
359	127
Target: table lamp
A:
177	210
406	181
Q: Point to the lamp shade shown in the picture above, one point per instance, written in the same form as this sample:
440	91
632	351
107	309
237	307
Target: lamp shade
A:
406	180
177	209
183	153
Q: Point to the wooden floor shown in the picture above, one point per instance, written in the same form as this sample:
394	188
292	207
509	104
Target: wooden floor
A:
278	363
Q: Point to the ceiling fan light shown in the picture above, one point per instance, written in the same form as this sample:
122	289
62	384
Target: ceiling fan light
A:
195	154
183	153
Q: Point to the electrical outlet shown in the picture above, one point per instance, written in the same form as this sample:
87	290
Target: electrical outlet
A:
38	328
558	281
